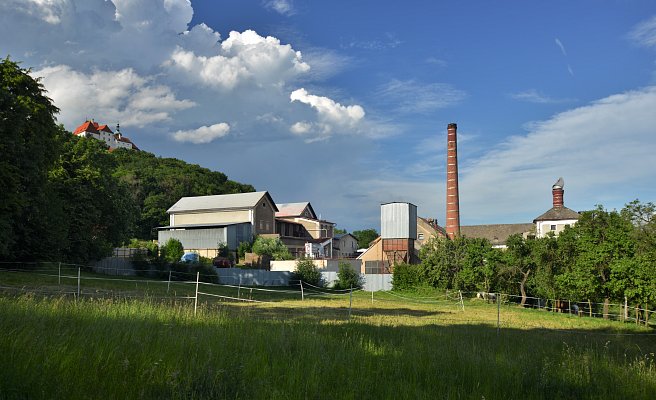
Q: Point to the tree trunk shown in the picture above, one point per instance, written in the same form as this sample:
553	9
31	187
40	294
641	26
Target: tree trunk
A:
646	315
606	306
521	287
590	307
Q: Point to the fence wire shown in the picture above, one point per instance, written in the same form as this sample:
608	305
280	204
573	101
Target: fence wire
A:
464	307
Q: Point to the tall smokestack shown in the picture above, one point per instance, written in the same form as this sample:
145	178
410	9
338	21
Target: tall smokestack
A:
557	191
452	198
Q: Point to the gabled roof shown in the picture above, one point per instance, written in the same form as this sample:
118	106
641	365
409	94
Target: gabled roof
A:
87	126
220	202
294	209
339	236
558	214
103	128
497	234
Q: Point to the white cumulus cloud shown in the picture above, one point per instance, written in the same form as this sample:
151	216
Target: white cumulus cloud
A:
204	134
112	96
243	57
329	110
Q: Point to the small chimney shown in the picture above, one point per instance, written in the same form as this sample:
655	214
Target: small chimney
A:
557	191
452	197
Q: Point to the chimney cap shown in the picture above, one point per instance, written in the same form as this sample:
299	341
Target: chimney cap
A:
452	125
560	183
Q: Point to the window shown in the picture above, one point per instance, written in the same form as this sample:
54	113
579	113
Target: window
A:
553	227
264	205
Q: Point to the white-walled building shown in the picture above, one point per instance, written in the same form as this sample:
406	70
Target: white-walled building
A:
116	140
558	217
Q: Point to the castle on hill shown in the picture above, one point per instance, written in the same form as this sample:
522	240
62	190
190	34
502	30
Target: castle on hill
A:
90	128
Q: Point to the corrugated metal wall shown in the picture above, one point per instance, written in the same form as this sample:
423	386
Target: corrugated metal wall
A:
208	238
195	238
398	221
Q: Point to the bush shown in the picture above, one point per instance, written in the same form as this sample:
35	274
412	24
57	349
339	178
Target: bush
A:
172	250
406	276
347	278
273	248
244	247
307	272
149	245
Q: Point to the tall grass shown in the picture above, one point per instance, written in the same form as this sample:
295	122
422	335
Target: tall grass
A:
121	348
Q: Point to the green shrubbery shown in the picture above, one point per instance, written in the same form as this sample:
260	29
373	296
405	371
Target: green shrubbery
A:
407	276
307	272
347	277
273	248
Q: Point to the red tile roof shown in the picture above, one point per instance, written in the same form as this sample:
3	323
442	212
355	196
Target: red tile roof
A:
87	126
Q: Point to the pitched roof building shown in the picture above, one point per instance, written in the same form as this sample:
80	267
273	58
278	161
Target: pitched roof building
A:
90	128
557	217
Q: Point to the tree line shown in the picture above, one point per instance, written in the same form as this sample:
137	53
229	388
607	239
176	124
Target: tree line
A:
67	198
605	257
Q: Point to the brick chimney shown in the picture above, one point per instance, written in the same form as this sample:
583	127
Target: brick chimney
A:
557	192
452	199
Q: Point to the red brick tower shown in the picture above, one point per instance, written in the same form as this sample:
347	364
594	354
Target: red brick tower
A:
557	192
452	198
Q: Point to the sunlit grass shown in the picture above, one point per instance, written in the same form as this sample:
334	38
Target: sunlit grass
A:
100	346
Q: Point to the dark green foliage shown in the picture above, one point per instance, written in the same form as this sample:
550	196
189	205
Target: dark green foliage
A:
172	250
157	183
307	272
99	210
347	277
365	237
28	150
338	231
462	263
407	276
61	200
271	247
244	247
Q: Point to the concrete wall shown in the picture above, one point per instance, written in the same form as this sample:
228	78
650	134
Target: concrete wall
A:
377	282
324	265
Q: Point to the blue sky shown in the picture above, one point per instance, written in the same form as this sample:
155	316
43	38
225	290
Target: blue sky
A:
345	103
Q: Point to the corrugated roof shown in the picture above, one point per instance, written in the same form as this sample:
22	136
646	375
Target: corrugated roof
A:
558	214
220	202
496	233
294	209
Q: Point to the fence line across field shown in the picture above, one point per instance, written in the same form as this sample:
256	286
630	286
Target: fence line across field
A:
450	297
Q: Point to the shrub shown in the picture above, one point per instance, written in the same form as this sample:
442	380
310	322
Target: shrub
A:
347	278
307	272
406	276
172	250
271	247
243	248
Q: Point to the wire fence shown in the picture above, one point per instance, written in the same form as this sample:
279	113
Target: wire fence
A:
78	281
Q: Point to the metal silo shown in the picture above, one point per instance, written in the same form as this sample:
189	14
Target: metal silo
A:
398	227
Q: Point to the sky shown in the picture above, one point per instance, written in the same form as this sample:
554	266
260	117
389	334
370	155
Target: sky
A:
345	104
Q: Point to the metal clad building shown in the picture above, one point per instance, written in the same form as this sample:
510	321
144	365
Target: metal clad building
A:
207	236
398	221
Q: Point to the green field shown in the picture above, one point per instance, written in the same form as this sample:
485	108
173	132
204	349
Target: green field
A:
138	338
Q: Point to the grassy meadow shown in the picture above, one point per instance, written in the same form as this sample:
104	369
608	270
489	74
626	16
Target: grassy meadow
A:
134	339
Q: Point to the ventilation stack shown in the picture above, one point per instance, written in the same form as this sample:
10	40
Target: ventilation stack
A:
452	198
